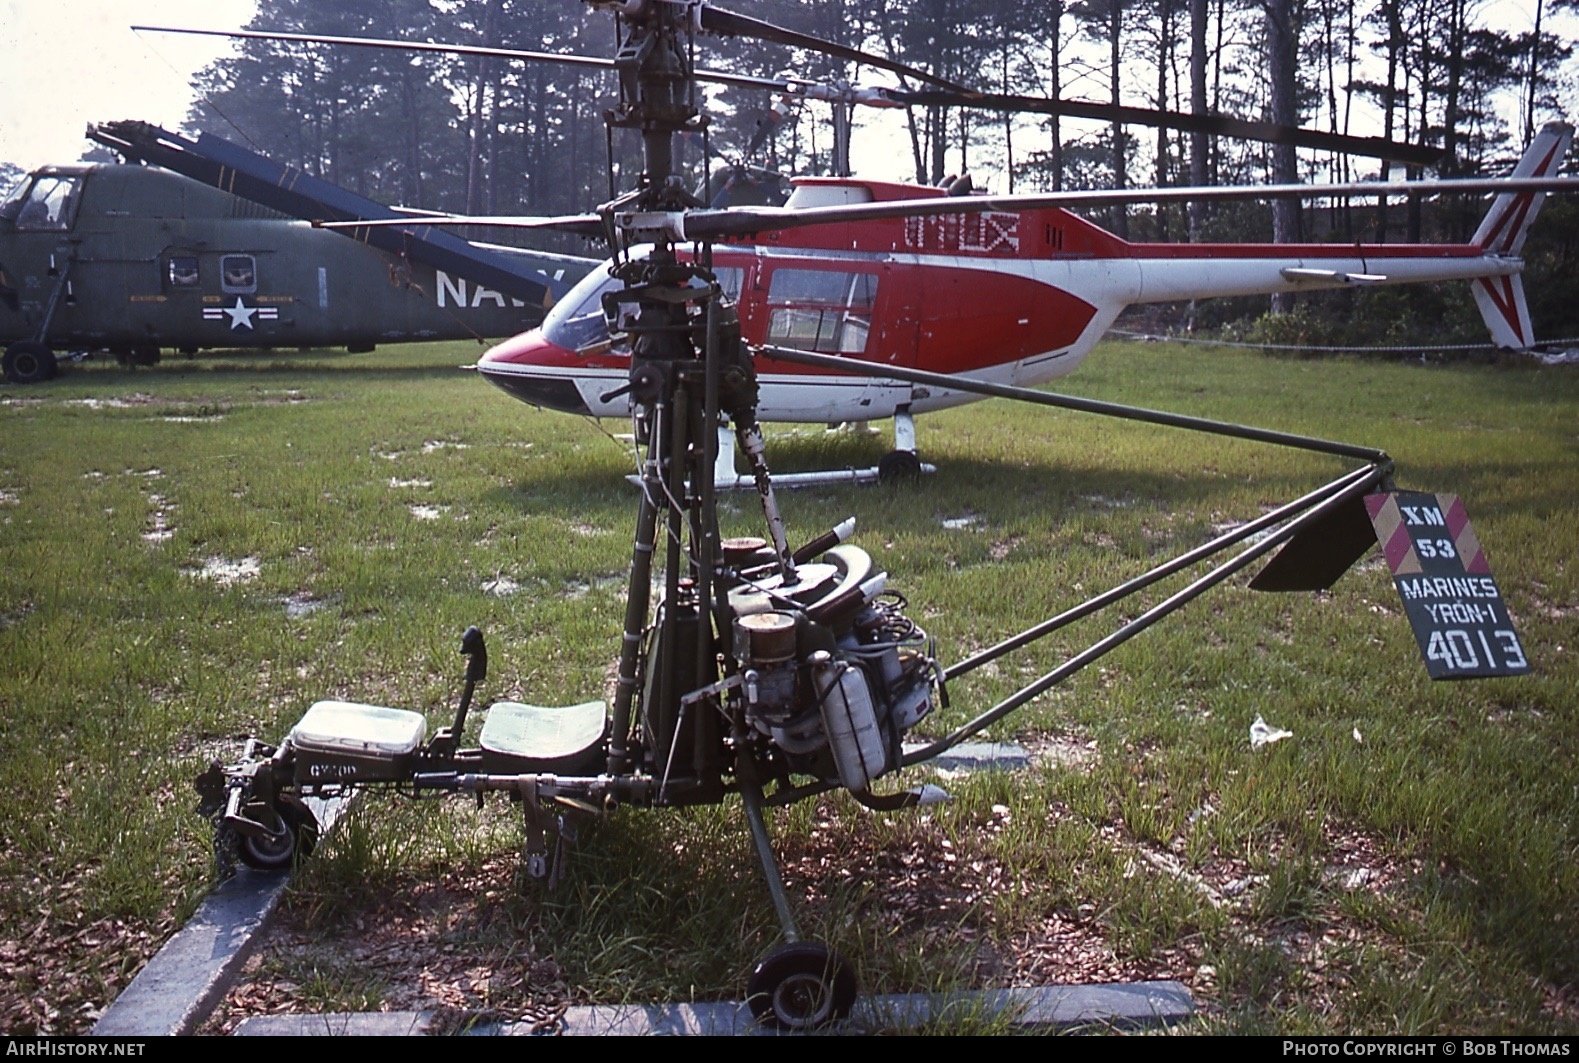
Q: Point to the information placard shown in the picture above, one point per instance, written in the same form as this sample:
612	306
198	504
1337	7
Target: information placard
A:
1446	586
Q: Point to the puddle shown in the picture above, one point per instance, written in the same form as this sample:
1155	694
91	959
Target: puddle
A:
500	587
301	604
969	520
427	512
9	498
398	483
208	419
226	572
441	444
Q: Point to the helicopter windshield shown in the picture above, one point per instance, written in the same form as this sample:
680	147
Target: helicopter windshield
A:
12	202
49	204
576	322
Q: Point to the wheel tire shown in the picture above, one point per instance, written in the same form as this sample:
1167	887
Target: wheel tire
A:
800	986
27	362
297	834
899	467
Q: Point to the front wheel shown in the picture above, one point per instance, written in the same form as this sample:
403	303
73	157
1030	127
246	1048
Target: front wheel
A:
294	831
800	986
899	468
27	362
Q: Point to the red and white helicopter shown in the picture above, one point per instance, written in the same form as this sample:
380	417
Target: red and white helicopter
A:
1006	290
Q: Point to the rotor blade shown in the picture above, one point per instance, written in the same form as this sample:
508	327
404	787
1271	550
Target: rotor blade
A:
727	24
1210	124
575	224
719	77
710	224
382	42
746	221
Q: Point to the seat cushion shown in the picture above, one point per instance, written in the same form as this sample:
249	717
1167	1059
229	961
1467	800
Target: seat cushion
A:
520	738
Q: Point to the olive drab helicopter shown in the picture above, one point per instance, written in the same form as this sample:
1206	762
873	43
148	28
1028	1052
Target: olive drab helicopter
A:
130	259
751	668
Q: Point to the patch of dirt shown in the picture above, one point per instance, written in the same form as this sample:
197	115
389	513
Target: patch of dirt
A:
59	971
926	889
412	947
1001	549
1061	751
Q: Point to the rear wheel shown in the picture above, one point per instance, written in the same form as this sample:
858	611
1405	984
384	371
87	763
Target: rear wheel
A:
294	832
28	362
800	986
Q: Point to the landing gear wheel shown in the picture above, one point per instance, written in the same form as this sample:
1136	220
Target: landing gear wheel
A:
800	986
27	362
899	467
295	832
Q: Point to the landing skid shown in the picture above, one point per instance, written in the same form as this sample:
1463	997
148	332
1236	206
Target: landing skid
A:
898	466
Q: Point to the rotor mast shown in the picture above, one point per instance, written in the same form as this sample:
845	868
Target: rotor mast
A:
689	370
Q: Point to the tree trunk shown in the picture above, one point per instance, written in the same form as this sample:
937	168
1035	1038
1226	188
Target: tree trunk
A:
1282	47
1198	141
1115	30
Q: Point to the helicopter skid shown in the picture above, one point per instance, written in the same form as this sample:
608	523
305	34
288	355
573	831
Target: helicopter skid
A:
899	463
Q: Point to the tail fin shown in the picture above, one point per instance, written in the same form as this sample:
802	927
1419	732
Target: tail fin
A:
1502	233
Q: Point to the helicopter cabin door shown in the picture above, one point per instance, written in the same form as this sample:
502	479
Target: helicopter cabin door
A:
834	308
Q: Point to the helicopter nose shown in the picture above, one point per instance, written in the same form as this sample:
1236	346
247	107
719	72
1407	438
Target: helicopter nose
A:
530	368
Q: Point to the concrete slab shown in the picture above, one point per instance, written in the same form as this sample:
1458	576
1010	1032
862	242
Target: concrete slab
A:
174	993
1115	1006
978	756
194	970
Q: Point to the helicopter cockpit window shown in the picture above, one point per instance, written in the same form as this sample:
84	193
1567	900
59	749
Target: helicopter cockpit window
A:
183	271
49	204
238	274
576	322
821	310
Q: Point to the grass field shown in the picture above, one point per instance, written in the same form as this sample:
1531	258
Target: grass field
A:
195	553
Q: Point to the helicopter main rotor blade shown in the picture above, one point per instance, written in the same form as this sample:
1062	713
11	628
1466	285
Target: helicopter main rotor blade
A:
591	225
713	224
595	62
948	93
384	42
1210	124
727	24
749	221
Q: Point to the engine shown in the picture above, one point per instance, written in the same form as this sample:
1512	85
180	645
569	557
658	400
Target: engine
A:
832	671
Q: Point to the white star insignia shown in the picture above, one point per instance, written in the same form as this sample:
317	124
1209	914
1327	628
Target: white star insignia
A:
240	314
